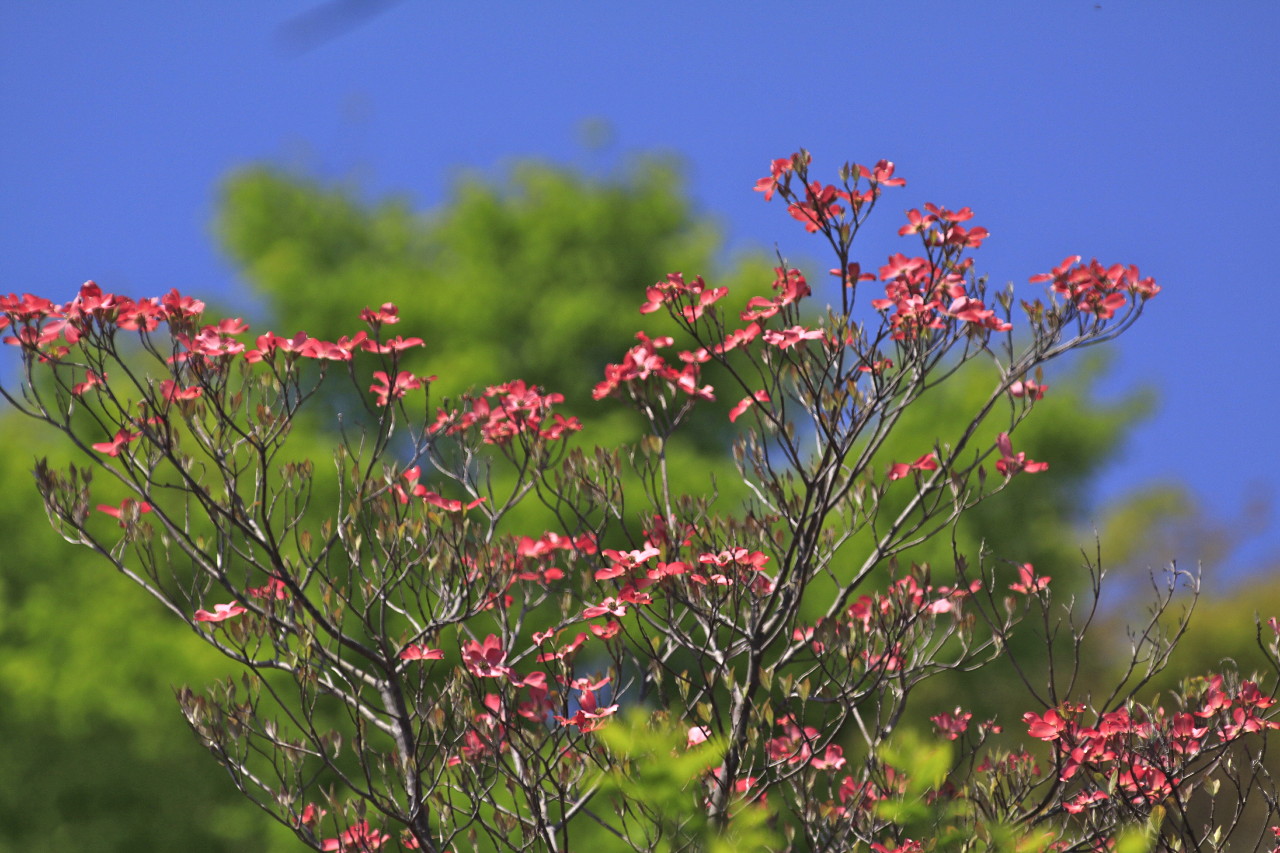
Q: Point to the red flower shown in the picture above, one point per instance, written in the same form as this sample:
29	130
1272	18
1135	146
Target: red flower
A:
564	651
1084	800
832	758
818	208
330	351
1028	583
916	222
705	298
506	411
687	381
210	342
975	311
388	313
1096	289
882	174
787	338
1010	464
395	344
446	504
221	612
852	274
129	509
607	631
610	605
623	562
964	214
91	380
113	447
1028	389
590	715
928	462
143	316
358	838
274	588
1251	697
26	307
1047	727
486	659
311	815
667	570
1214	699
953	724
386	390
421	653
178	305
170	391
746	402
777	169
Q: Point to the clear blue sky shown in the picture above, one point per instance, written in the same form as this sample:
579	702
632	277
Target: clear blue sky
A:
1141	132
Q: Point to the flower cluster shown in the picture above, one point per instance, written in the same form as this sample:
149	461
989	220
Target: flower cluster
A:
504	412
940	227
921	296
691	299
1147	751
821	205
796	746
50	330
907	596
791	287
642	363
429	497
1095	289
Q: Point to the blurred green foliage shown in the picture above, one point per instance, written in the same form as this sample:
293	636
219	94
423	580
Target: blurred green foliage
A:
96	755
538	276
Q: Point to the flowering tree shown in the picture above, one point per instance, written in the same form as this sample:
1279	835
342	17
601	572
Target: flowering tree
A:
652	671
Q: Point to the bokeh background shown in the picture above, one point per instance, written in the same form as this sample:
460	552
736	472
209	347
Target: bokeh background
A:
248	152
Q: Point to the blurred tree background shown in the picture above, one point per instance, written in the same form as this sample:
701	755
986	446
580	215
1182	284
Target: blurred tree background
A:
535	275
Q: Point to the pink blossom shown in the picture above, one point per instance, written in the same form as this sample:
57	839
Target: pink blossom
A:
882	174
777	169
358	838
1010	464
953	724
274	588
113	447
1028	389
421	653
787	338
1047	727
388	314
221	612
396	344
128	508
446	504
171	391
746	402
385	390
486	659
610	605
1028	582
91	380
928	462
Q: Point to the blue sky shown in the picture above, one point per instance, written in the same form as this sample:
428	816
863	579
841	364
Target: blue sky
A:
1138	132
